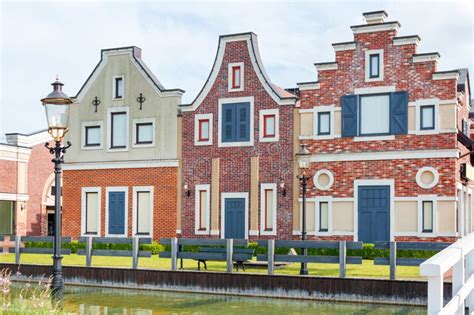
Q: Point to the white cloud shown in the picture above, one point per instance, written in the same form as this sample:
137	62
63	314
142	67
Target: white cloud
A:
179	41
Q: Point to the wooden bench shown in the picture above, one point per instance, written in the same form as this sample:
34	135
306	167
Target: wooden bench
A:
240	255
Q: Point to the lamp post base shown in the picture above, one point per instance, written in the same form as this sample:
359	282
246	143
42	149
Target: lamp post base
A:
57	283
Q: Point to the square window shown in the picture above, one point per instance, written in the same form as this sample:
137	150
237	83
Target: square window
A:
269	126
374	66
119	130
427	120
427	216
236	77
144	133
92	136
324	123
203	130
375	115
323	216
118	87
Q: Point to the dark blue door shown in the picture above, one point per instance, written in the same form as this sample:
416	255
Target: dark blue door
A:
117	212
374	213
234	218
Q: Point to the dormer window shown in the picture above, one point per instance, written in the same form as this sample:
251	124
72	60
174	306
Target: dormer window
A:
118	87
374	65
236	77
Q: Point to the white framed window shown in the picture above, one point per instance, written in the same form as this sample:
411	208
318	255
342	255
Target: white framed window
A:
202	209
374	65
118	128
427	116
90	211
91	138
236	122
323	122
269	129
465	127
144	131
203	129
118	87
142	218
323	215
235	76
427	207
268	209
374	115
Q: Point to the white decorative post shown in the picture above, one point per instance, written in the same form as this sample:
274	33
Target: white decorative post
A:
174	254
271	257
393	260
135	249
89	251
229	244
17	249
342	259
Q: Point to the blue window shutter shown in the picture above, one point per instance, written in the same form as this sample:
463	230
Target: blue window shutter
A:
243	122
349	115
399	113
228	121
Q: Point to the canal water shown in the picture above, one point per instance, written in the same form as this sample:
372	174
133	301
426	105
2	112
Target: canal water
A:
85	300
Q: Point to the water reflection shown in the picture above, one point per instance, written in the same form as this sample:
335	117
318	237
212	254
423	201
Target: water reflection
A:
84	300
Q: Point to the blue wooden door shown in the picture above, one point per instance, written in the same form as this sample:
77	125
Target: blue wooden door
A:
374	213
234	218
117	212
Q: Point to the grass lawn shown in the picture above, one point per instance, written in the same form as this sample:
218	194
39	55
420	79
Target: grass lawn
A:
366	270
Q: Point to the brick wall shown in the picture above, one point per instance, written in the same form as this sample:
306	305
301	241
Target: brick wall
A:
163	179
275	158
8	173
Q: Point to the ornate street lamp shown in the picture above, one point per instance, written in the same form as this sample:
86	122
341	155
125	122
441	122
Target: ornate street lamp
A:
56	106
303	156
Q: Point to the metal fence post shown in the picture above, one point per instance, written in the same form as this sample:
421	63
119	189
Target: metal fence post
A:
393	260
342	259
271	256
174	254
17	249
135	249
89	251
229	245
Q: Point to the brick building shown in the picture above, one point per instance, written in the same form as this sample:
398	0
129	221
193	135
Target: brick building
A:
389	134
238	150
121	173
26	204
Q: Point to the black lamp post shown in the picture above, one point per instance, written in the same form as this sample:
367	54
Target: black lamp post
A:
303	161
56	105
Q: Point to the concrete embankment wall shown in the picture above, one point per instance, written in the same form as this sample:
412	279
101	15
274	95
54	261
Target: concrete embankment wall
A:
404	292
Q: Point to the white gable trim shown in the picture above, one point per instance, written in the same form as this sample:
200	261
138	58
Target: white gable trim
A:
256	64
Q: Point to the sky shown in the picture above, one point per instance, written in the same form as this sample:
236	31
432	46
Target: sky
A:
40	39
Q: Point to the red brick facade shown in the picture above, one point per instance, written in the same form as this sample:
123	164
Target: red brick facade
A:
163	179
422	81
275	158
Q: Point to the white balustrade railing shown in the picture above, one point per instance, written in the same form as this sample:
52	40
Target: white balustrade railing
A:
460	257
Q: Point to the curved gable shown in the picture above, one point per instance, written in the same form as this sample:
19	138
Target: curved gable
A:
279	95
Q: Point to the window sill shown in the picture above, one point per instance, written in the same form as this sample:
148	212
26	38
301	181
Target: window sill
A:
374	138
201	232
269	139
202	143
236	144
117	149
89	148
240	89
367	79
143	145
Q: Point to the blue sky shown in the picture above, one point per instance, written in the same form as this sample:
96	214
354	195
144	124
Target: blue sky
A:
179	40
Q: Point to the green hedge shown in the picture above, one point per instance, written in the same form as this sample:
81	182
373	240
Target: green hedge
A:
367	252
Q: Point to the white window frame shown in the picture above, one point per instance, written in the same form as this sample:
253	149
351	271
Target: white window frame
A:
264	187
317	200
423	102
367	65
434	200
198	189
85	190
116	109
224	196
316	111
427	169
229	73
136	190
223	101
263	113
323	172
116	189
134	132
113	86
85	124
197	118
